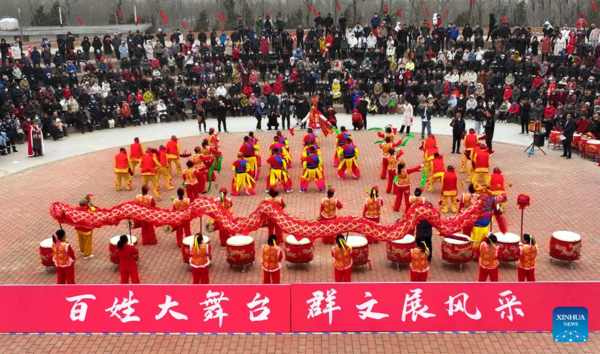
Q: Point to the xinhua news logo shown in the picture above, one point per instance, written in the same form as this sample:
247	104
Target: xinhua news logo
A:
570	324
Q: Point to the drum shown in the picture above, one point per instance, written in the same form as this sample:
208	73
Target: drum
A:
398	251
508	246
112	247
592	148
298	251
360	250
583	143
555	139
456	251
565	246
576	140
46	253
240	250
185	250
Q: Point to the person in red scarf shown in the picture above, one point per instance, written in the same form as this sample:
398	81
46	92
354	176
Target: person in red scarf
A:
180	204
357	120
64	258
35	143
226	203
148	232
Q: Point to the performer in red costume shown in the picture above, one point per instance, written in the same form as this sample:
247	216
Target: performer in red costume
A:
340	140
242	177
496	185
488	259
285	151
528	254
470	141
173	155
254	141
179	204
213	139
275	199
481	162
271	261
465	201
148	232
328	211
200	260
212	156
419	266
128	258
317	121
136	151
190	181
449	190
150	166
200	169
163	171
249	151
278	173
122	170
372	209
64	258
348	161
342	260
226	203
394	158
402	185
35	143
436	169
387	146
313	170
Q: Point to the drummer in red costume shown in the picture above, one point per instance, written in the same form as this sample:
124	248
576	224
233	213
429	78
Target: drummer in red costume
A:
496	184
249	151
387	146
340	140
481	161
348	162
242	177
163	170
190	181
470	141
213	139
317	121
180	204
226	203
173	154
449	190
85	235
328	211
199	260
342	260
271	261
436	168
64	258
148	232
528	249
136	151
275	199
313	170
122	170
128	258
465	201
402	185
488	259
419	266
278	173
394	158
372	209
150	166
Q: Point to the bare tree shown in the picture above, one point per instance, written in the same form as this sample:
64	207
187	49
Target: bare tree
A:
68	6
32	5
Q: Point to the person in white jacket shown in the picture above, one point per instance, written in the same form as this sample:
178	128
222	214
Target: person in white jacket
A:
391	49
407	117
143	109
594	35
559	44
371	41
221	91
16	51
149	48
105	89
161	108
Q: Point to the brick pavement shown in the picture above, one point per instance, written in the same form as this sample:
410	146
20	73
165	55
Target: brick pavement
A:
562	198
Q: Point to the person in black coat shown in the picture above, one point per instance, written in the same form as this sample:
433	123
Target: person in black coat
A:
490	125
525	112
458	125
362	109
222	114
568	128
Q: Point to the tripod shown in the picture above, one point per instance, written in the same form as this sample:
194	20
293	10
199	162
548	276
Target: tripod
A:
531	148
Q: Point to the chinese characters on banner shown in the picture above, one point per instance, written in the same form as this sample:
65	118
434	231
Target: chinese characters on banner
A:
315	307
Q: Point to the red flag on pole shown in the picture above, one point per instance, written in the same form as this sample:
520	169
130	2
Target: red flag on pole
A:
119	13
164	16
594	7
220	17
504	19
183	25
446	13
315	11
399	13
339	7
80	20
138	19
387	9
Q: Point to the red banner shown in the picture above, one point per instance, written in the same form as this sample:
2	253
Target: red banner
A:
145	308
317	307
390	307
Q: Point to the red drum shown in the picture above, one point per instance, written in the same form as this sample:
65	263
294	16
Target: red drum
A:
457	251
583	143
576	140
565	246
240	250
298	251
46	253
592	148
555	139
360	250
398	251
508	246
112	247
185	250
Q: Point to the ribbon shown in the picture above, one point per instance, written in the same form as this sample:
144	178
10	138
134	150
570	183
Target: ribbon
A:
423	179
378	142
375	128
80	20
210	171
406	138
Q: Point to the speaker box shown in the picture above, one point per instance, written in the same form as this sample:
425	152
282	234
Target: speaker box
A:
539	139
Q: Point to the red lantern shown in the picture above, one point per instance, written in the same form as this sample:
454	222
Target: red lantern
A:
339	7
138	19
594	7
309	7
427	10
504	19
428	22
399	13
220	17
183	25
119	13
446	13
315	12
80	20
164	16
387	9
161	12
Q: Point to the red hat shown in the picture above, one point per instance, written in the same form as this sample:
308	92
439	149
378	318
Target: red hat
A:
223	190
331	190
581	15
